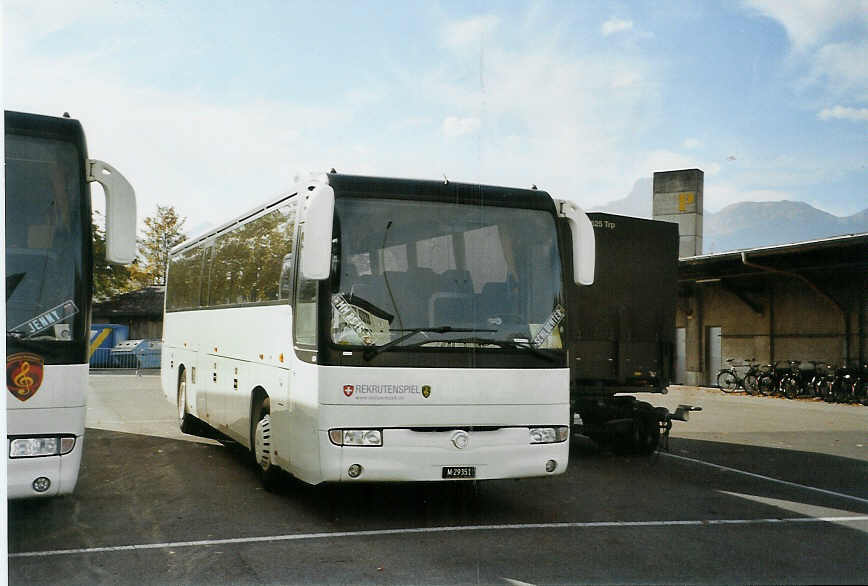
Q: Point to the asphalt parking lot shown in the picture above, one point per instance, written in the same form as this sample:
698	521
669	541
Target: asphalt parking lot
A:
752	490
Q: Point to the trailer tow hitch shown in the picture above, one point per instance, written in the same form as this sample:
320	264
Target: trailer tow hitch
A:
682	413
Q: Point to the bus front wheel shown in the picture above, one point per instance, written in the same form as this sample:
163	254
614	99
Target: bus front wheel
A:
185	420
262	449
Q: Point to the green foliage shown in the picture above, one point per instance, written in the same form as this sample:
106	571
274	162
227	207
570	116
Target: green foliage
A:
163	231
247	264
248	260
109	279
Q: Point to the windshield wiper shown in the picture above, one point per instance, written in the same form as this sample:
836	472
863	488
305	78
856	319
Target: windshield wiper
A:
19	339
374	310
371	352
503	344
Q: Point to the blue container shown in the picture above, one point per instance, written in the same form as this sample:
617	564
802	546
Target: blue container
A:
104	337
149	353
136	354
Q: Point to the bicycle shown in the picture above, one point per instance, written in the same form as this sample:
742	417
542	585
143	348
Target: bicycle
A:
790	383
751	377
821	382
729	381
852	384
767	380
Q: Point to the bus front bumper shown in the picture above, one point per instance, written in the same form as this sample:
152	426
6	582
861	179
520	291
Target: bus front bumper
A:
27	476
412	455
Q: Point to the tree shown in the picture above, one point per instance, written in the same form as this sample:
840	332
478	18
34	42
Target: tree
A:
109	279
163	231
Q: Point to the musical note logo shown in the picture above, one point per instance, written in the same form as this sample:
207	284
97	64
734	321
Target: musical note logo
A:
24	373
21	379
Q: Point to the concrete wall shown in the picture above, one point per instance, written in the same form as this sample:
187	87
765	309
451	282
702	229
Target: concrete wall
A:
804	324
678	197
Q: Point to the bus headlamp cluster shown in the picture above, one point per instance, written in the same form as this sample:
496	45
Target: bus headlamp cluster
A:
34	447
356	437
549	435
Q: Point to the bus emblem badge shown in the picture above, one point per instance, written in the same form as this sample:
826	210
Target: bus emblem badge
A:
348	390
23	375
426	391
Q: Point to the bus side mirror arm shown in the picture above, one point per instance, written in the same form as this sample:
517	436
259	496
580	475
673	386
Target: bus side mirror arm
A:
120	211
317	217
584	246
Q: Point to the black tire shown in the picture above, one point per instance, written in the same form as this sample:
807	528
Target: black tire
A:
646	435
751	384
727	381
641	440
826	389
269	473
766	384
790	387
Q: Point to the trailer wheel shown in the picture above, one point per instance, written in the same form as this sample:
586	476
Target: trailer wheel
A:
646	435
262	450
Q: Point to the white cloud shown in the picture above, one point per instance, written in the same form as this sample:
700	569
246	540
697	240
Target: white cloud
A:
844	66
615	25
717	195
807	22
626	79
454	127
576	135
844	113
211	161
469	31
692	143
664	160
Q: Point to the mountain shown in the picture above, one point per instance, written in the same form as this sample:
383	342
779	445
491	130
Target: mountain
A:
637	203
749	224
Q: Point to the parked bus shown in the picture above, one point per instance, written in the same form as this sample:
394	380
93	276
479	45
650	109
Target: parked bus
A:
371	329
49	278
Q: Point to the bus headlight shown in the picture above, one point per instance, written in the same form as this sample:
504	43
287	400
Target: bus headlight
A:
549	435
356	437
34	447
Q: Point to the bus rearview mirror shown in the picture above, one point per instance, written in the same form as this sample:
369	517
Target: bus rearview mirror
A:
584	245
120	212
316	246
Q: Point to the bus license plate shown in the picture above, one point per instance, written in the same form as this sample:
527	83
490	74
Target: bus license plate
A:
459	472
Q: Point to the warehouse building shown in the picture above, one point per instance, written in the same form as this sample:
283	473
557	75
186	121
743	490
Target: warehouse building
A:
140	310
804	301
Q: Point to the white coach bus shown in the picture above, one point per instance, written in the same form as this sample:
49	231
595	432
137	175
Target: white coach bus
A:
49	281
371	329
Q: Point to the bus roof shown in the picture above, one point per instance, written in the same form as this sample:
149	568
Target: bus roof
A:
394	188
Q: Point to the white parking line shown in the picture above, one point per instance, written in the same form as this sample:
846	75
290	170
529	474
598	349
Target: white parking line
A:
768	478
455	529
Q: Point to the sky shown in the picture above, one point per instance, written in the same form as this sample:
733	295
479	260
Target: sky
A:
214	107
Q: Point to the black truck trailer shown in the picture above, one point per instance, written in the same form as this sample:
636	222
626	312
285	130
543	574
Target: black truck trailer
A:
621	333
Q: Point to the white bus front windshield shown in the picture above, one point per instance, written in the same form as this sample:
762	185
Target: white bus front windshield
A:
44	284
432	274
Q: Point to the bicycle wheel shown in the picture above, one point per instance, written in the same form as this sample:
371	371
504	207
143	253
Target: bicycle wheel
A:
766	384
826	390
790	387
751	384
726	381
